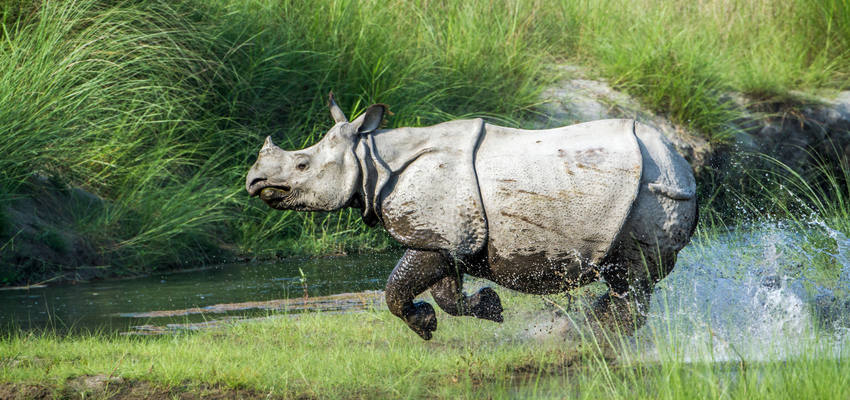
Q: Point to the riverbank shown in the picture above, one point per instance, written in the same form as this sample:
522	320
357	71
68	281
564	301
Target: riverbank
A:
535	353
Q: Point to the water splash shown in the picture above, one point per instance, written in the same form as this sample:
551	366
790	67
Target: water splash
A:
756	293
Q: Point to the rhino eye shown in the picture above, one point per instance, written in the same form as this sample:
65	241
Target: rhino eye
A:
301	166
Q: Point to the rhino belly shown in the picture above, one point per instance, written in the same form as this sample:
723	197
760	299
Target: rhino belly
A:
538	273
555	200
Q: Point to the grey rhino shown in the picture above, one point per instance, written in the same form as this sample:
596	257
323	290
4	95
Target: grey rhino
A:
537	211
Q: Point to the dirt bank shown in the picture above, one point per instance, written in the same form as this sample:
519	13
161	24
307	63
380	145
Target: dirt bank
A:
39	240
782	128
106	387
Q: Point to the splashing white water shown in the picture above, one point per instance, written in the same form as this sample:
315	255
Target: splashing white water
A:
757	294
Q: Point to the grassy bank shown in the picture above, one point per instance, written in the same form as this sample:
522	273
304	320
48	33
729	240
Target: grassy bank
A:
157	108
372	354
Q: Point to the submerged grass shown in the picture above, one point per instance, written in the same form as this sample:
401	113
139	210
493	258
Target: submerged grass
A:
157	107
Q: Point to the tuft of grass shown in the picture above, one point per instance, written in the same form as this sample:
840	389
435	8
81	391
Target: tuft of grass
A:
822	193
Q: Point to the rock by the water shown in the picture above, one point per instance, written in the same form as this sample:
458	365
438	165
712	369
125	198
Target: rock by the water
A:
781	129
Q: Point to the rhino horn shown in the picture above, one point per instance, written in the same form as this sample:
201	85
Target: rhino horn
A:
268	143
336	112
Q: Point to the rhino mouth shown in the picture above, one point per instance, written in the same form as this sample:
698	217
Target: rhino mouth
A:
283	198
274	195
258	185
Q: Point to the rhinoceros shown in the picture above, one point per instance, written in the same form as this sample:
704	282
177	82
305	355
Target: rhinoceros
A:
537	211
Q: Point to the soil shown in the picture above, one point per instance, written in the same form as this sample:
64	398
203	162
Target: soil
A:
779	128
103	387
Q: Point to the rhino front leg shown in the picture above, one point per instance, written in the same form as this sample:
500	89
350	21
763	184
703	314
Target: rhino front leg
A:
485	304
415	272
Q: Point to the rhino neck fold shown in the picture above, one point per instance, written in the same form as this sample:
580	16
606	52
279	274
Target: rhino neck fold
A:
375	172
368	182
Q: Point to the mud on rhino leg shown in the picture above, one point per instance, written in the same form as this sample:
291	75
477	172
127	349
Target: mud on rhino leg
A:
448	293
630	284
416	271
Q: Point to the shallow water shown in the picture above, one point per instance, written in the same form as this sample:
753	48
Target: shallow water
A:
758	293
114	304
762	292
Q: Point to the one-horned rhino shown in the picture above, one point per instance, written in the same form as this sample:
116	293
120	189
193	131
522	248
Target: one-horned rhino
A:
538	211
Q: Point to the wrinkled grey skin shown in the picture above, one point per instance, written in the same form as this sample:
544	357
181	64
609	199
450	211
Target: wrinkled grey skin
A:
535	211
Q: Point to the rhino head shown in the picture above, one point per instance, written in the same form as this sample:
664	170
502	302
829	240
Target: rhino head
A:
322	177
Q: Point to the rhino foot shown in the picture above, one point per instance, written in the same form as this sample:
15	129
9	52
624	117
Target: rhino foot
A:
486	305
614	313
422	319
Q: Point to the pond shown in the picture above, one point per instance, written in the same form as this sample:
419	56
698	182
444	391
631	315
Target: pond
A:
123	304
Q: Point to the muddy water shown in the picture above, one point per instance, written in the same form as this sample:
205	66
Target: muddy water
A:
206	294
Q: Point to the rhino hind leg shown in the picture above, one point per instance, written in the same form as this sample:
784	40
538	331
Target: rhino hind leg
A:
484	304
631	279
416	271
622	311
660	223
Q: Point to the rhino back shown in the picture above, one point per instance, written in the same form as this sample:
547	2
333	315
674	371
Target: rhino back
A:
555	199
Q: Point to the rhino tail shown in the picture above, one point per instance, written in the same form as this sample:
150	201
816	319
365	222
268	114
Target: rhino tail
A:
672	192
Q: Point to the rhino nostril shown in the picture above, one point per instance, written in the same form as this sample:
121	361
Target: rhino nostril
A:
256	181
285	188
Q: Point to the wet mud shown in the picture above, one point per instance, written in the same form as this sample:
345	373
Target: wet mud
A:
338	303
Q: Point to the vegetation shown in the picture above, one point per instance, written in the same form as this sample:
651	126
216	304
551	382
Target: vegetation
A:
157	107
373	355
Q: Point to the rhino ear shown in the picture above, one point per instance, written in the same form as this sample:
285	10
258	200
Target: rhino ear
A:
371	119
336	112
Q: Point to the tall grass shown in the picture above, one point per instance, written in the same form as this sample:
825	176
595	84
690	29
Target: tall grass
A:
158	107
109	98
821	193
430	64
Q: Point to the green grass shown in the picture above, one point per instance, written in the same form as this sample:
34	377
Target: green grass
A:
326	355
819	194
158	107
108	98
373	354
681	58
